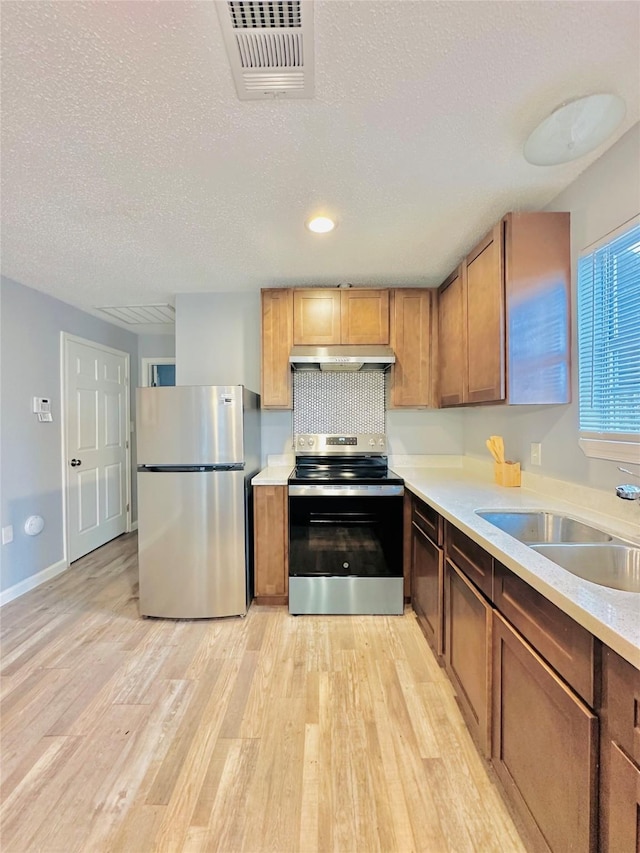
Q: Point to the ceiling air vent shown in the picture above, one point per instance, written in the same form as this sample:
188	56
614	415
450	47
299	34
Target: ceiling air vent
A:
270	47
139	315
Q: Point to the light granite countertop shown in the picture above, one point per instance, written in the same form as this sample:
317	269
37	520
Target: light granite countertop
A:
272	475
456	487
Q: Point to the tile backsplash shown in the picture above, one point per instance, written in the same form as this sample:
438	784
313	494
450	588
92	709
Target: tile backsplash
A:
338	403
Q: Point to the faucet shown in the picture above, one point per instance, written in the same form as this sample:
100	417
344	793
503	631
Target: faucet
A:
627	491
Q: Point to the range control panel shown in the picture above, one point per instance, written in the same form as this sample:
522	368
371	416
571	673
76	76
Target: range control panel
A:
369	444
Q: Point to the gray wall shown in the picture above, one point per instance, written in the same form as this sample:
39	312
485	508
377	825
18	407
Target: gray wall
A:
602	198
151	346
31	452
218	339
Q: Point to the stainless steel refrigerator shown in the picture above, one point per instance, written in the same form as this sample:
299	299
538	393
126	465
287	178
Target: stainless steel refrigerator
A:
197	449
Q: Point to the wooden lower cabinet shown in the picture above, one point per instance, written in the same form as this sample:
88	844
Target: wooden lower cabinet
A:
619	755
545	747
271	544
468	625
427	586
623	805
568	647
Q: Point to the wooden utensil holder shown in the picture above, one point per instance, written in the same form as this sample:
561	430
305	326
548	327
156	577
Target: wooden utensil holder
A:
506	473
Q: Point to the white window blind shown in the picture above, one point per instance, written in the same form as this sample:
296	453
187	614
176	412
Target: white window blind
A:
609	345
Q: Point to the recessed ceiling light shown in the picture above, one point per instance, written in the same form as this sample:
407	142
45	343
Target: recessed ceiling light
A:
321	224
574	129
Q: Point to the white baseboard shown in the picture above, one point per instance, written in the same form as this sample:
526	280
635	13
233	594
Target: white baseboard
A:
33	581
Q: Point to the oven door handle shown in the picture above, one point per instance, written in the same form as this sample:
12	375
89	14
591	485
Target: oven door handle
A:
350	491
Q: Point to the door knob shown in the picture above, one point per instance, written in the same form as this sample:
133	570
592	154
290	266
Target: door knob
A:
75	462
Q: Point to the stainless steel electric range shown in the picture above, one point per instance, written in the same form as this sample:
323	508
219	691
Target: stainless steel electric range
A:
345	527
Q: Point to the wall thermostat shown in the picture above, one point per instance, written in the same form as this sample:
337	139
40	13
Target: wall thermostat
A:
42	408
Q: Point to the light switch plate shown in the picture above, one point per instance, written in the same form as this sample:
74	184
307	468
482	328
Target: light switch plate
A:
536	453
7	534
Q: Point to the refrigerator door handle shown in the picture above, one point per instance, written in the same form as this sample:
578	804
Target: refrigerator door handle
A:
188	469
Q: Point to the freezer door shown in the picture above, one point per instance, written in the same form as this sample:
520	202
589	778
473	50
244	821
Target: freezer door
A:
189	425
191	544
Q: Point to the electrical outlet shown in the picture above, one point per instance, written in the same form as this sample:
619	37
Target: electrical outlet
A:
536	453
7	534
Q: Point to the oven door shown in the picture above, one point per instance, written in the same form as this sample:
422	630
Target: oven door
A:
356	536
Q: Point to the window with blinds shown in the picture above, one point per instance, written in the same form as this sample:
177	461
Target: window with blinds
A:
609	347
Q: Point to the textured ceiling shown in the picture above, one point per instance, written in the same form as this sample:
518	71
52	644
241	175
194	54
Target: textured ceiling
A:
131	171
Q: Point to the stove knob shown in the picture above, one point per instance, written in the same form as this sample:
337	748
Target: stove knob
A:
381	442
372	442
311	442
301	441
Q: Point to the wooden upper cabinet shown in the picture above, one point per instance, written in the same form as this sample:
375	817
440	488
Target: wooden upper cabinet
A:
316	317
538	307
364	316
412	341
452	340
277	338
330	316
511	296
485	321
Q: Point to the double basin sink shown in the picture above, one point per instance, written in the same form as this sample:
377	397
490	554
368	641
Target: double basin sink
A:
585	551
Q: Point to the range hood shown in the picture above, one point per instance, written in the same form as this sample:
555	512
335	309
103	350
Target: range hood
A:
342	358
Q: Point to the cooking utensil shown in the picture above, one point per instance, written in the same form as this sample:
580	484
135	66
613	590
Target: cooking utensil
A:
498	446
491	449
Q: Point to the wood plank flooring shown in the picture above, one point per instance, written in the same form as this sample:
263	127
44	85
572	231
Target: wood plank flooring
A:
269	733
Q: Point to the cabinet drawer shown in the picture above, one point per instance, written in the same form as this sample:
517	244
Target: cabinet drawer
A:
428	520
567	646
471	558
621	696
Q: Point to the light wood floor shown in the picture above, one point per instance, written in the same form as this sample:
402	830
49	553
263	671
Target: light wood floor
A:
269	733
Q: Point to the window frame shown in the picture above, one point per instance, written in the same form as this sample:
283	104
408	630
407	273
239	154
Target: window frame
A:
146	364
617	447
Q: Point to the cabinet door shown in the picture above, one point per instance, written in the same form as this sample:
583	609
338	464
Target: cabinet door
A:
411	338
468	619
277	338
452	341
271	544
624	803
620	740
427	587
538	307
364	316
485	320
545	743
316	317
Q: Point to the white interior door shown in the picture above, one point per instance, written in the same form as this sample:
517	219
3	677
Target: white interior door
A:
96	420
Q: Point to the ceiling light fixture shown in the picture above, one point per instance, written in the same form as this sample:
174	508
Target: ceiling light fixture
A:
573	129
321	224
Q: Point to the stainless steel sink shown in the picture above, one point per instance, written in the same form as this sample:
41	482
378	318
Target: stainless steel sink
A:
614	565
543	527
